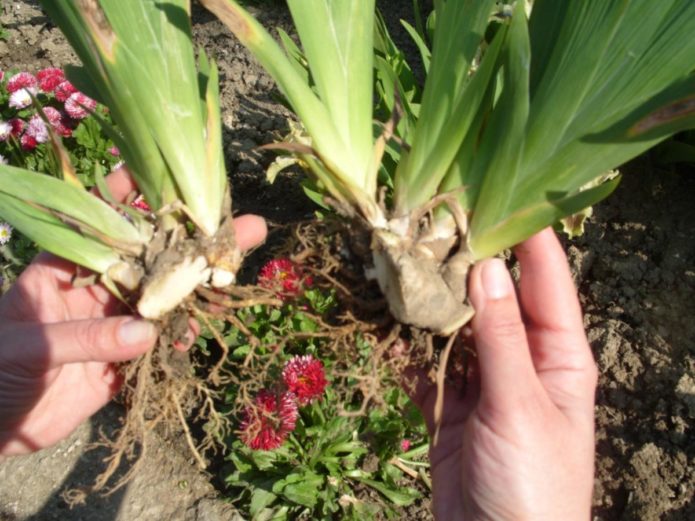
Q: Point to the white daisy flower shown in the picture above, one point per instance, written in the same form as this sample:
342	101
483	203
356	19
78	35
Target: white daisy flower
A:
21	98
5	130
5	233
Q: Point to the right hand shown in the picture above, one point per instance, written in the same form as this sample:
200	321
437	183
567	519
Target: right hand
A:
520	444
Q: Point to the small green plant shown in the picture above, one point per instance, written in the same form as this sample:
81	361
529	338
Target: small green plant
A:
328	458
302	448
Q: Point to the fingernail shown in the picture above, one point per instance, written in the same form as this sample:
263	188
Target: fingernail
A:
135	332
497	283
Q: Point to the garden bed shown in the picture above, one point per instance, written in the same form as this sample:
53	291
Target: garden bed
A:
635	268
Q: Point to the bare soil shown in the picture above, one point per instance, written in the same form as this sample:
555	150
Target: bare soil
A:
635	269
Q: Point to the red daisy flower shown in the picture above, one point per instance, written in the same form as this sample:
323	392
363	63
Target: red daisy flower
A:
21	80
64	90
284	276
265	426
28	142
50	78
140	203
17	126
305	378
79	106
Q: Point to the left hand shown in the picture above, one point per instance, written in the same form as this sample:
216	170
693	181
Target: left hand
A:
59	345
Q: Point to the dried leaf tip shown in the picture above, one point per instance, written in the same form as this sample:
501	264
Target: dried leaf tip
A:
99	25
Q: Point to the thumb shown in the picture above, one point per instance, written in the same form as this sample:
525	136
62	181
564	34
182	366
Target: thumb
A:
113	339
507	374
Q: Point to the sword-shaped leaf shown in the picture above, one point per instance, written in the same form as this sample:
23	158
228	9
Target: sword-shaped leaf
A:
54	235
77	207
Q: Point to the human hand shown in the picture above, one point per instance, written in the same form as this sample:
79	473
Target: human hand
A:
58	345
519	445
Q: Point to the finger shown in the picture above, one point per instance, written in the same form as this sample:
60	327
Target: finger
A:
561	354
459	400
547	292
120	183
191	335
114	339
250	230
507	375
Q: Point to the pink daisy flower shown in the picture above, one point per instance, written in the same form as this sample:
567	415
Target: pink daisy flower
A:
284	276
50	78
267	424
79	106
2	74
64	90
405	445
21	80
52	114
114	151
37	129
59	121
305	378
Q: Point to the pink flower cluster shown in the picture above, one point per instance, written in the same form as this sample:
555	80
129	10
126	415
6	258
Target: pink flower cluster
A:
70	106
284	277
273	416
